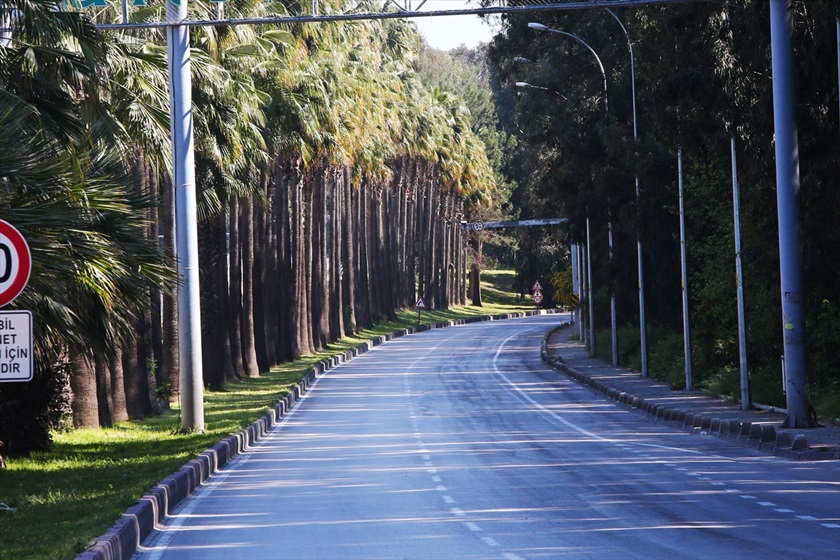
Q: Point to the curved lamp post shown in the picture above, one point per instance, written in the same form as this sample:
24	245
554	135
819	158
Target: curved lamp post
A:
613	330
642	321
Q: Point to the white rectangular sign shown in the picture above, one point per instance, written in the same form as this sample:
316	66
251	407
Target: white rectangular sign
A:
15	346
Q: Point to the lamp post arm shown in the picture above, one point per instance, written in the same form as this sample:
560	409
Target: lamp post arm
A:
632	68
542	27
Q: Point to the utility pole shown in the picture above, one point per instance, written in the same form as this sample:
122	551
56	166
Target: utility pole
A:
787	197
186	230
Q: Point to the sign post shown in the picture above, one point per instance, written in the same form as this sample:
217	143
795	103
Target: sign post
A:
537	293
15	326
420	306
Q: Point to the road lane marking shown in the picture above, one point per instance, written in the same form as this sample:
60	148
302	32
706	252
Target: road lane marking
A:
562	420
473	527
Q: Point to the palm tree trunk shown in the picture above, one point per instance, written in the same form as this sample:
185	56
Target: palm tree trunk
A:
118	406
258	284
363	303
318	283
136	379
235	325
249	350
348	228
103	389
285	276
335	220
270	289
85	404
213	328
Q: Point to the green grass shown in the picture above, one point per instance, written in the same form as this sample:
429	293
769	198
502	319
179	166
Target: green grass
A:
497	290
74	493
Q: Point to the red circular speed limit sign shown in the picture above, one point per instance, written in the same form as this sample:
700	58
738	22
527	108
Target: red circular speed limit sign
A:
15	263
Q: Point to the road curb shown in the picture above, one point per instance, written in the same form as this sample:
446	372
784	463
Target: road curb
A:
124	537
762	436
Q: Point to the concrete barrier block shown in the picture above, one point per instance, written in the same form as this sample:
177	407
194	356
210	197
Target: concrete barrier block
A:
754	435
768	436
744	430
800	443
783	440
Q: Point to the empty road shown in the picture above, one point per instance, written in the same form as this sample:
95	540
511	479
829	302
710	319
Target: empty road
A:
460	443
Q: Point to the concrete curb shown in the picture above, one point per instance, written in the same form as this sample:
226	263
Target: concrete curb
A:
124	537
758	435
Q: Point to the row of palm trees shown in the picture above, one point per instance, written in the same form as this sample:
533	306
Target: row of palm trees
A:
332	183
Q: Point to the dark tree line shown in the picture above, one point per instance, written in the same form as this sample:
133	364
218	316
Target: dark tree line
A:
703	76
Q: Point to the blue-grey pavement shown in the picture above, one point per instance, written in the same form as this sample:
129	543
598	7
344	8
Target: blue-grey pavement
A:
694	411
123	539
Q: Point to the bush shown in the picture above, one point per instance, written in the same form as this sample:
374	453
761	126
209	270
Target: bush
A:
28	411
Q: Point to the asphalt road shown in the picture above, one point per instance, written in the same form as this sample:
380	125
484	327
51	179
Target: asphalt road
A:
460	443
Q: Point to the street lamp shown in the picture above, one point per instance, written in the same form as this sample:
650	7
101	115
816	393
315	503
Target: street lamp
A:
613	329
526	85
541	27
642	322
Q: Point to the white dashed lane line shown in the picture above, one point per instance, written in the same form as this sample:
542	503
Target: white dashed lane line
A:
700	477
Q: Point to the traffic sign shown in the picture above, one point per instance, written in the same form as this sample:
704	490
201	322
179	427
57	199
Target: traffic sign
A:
538	297
537	286
420	304
478	225
574	302
16	346
15	263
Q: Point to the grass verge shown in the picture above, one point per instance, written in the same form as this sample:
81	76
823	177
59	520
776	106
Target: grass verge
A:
74	493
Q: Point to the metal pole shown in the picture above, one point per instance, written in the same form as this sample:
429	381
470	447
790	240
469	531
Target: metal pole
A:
541	27
584	322
640	265
613	330
181	125
589	286
838	64
787	196
689	381
746	399
576	289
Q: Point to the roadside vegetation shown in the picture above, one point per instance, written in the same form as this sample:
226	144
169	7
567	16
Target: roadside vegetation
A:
702	82
68	496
